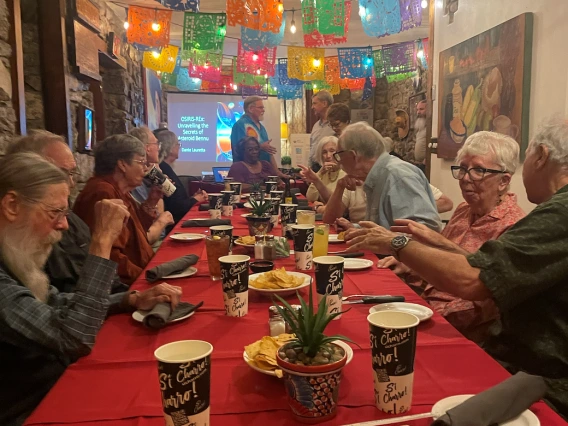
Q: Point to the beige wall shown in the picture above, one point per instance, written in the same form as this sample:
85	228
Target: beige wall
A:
549	81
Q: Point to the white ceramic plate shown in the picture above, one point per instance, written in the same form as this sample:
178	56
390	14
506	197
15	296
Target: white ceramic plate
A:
345	346
357	264
422	312
186	273
526	418
280	291
187	237
245	215
333	239
247	205
139	316
249	246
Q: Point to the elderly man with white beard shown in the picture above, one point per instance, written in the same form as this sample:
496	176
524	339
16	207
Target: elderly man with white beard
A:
42	331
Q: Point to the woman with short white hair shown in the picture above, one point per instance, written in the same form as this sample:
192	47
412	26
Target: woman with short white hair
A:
484	168
323	183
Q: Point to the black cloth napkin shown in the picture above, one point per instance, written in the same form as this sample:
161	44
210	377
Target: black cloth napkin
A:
498	404
171	267
162	314
205	223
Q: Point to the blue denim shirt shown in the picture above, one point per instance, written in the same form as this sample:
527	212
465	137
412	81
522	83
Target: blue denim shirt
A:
396	189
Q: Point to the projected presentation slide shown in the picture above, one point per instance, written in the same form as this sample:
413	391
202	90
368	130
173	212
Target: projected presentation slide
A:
203	125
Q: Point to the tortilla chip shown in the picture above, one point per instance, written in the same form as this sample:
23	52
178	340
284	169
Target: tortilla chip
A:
262	353
277	279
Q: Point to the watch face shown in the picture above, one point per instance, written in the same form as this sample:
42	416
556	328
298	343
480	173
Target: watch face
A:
399	241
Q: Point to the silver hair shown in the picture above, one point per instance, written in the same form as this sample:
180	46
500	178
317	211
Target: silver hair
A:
36	141
324	96
318	155
553	134
504	149
249	101
29	175
363	139
168	140
115	148
141	133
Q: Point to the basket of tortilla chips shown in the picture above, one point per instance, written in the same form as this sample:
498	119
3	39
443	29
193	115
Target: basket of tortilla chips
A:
278	281
261	355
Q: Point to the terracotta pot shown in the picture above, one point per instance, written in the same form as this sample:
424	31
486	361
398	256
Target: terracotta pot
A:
312	391
259	225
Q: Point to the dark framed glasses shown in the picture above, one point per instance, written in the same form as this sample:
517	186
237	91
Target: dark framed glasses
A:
475	173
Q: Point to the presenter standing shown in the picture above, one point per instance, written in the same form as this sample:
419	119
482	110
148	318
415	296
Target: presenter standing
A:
249	125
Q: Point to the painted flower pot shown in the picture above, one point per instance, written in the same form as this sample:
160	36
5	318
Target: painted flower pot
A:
259	225
313	390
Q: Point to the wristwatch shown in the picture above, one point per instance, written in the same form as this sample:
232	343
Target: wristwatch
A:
397	244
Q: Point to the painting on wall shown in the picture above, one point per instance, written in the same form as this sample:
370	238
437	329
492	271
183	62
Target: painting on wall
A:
153	99
485	85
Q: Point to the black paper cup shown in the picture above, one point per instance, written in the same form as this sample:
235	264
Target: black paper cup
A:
234	276
215	201
271	186
329	281
275	208
236	187
158	178
303	236
272	178
393	347
277	194
288	218
184	369
227	207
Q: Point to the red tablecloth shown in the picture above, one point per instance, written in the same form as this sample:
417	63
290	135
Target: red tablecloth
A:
117	384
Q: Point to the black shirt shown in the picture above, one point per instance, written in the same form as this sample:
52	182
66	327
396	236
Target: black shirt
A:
179	203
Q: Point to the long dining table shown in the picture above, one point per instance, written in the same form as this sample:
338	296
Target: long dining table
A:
117	384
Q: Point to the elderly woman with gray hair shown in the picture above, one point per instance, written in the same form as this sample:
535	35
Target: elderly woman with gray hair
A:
524	271
179	203
120	166
484	167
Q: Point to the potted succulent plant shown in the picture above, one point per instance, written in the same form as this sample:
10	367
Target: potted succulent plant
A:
256	190
259	217
311	362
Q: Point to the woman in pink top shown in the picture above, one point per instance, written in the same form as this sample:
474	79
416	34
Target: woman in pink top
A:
484	168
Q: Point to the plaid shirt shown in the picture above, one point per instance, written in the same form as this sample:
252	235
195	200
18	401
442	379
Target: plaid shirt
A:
38	340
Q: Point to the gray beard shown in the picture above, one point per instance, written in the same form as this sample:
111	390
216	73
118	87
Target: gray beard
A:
25	256
420	124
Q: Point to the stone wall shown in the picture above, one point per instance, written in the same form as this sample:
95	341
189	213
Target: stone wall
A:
32	70
7	113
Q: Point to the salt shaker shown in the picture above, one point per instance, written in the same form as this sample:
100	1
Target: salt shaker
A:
259	247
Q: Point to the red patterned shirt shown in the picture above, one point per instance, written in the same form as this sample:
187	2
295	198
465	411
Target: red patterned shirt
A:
473	318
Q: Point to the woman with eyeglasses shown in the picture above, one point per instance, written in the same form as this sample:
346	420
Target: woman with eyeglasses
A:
179	203
324	182
120	166
252	169
339	117
484	167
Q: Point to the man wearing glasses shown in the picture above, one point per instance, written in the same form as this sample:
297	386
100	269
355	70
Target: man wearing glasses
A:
394	188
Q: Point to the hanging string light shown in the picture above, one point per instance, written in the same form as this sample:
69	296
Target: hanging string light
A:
155	54
126	23
293	24
280	7
420	54
424	4
155	25
317	62
255	56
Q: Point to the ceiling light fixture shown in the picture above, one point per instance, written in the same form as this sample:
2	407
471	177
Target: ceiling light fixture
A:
424	4
293	24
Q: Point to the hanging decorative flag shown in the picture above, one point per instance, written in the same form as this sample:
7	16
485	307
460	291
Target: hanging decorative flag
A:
367	89
422	57
378	62
410	14
399	58
306	63
205	65
149	27
259	62
186	83
352	84
204	31
285	91
380	17
261	15
182	5
316	39
332	70
246	79
325	16
282	71
257	40
142	48
260	90
225	85
355	62
165	61
171	78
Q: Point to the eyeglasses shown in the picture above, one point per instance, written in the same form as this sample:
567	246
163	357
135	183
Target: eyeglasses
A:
155	143
475	173
335	124
70	173
337	155
56	214
143	162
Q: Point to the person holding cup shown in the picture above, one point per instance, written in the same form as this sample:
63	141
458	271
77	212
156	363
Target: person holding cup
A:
179	203
120	166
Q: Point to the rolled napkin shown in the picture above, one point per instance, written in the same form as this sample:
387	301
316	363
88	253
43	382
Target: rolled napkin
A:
171	267
205	223
162	314
498	404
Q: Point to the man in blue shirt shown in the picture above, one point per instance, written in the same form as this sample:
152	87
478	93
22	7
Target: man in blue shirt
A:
394	188
249	125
